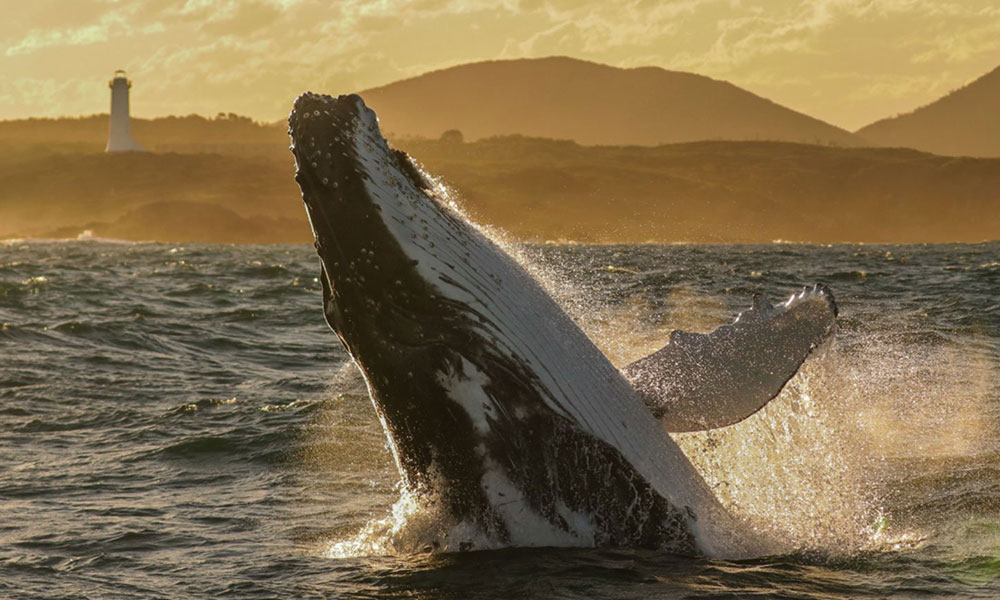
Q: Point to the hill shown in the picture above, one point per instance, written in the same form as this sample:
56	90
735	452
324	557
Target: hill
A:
720	192
51	192
536	189
565	98
966	122
560	98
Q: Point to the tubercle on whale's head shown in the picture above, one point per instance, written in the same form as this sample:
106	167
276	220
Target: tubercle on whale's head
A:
330	139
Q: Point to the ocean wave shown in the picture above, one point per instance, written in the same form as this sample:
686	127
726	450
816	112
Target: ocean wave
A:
130	471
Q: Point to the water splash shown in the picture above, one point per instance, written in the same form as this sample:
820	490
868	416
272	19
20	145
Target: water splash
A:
814	466
404	530
793	470
417	523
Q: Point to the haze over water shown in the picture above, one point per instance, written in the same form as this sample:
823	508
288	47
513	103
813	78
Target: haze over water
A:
178	421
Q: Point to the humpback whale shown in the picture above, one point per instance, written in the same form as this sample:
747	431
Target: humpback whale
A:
498	409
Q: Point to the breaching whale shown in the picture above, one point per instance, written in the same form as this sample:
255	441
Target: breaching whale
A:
497	407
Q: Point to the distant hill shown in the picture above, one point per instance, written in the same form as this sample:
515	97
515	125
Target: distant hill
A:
180	221
557	97
592	104
966	122
536	189
719	192
142	195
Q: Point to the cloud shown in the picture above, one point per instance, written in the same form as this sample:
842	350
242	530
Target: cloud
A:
245	19
111	23
842	60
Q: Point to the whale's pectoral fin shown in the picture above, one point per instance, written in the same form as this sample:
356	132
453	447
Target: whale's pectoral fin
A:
703	381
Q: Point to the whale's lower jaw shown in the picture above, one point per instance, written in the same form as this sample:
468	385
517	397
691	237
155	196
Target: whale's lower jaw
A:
494	402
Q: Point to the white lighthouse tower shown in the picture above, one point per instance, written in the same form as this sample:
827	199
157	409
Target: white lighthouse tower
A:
119	134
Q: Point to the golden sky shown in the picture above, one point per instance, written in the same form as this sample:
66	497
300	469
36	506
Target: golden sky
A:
848	62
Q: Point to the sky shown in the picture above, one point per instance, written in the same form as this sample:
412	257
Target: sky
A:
847	62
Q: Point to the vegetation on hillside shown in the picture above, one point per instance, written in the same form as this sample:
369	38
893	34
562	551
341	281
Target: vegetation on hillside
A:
536	189
226	132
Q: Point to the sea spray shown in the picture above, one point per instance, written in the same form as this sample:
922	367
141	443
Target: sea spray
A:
791	469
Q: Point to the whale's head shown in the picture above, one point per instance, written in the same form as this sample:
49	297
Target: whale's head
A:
384	240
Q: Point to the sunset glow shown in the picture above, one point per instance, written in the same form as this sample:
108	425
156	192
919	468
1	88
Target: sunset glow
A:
848	62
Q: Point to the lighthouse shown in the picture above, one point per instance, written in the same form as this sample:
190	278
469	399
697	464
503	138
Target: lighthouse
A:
119	135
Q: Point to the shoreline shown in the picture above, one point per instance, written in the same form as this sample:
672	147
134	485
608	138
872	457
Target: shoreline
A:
82	238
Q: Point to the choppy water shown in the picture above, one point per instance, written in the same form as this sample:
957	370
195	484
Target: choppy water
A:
178	422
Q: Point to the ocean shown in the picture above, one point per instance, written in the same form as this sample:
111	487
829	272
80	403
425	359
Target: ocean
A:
176	421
